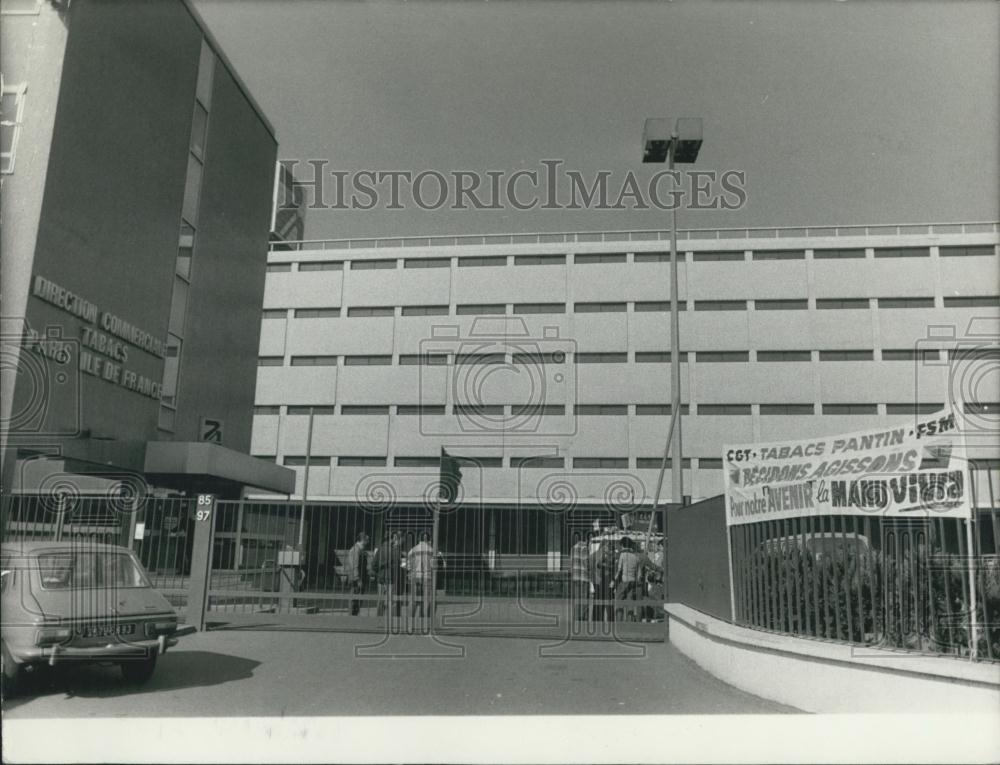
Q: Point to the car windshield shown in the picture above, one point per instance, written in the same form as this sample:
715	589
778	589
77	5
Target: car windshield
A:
88	569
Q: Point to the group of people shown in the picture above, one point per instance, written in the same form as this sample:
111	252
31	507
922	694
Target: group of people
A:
398	575
610	573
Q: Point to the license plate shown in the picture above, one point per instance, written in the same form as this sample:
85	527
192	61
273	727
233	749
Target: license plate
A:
108	630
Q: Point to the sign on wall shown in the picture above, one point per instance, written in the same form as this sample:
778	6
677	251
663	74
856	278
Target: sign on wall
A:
913	470
210	430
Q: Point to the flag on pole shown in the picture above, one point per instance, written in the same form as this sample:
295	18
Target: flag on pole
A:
451	478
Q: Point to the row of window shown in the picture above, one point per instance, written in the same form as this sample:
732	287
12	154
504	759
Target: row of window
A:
602	357
639	306
638	257
522	410
579	463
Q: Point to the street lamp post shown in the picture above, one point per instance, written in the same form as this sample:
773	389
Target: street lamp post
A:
680	143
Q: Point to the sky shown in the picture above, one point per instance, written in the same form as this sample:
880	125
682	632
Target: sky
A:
837	113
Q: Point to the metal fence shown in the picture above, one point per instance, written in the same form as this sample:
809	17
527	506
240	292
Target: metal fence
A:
497	567
911	584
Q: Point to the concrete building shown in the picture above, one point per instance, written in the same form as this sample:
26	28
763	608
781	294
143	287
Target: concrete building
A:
137	182
545	358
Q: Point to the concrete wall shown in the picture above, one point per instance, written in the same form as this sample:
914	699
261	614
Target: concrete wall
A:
817	676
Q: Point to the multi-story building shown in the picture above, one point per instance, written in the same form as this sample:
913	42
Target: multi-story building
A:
137	181
543	360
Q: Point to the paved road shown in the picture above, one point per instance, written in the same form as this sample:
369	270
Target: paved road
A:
270	673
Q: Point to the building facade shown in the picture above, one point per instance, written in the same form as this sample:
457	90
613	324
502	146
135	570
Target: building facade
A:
542	361
137	185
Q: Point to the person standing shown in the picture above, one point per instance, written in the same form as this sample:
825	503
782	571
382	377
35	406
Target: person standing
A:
387	565
580	584
602	572
357	571
629	572
420	565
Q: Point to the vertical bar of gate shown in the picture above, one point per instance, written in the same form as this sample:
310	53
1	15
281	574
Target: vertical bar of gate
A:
861	560
848	576
965	554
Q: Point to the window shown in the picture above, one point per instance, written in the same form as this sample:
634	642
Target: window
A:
784	356
372	265
980	408
720	305
185	251
841	303
361	461
478	409
265	457
199	130
316	409
421	409
976	250
601	358
274	313
600	307
556	357
846	355
655	463
537	462
192	191
270	361
840	254
972	301
655	257
368	361
417	462
705	257
722	356
657	357
481	309
780	409
317	313
715	409
266	410
902	252
427	263
279	268
520	410
906	302
781	305
424	310
709	463
171	370
481	262
314	361
599	257
780	255
297	461
539	260
364	410
910	354
643	306
322	265
480	462
850	408
590	463
480	358
601	409
360	311
423	359
11	115
524	308
658	410
913	408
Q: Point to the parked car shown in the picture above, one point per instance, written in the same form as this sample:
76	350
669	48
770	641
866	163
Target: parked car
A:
81	601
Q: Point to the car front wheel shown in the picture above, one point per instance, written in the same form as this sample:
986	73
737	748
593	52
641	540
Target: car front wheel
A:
139	671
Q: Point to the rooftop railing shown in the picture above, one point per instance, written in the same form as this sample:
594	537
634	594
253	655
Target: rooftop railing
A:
642	235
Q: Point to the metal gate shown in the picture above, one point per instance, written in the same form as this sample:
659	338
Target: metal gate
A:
499	570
